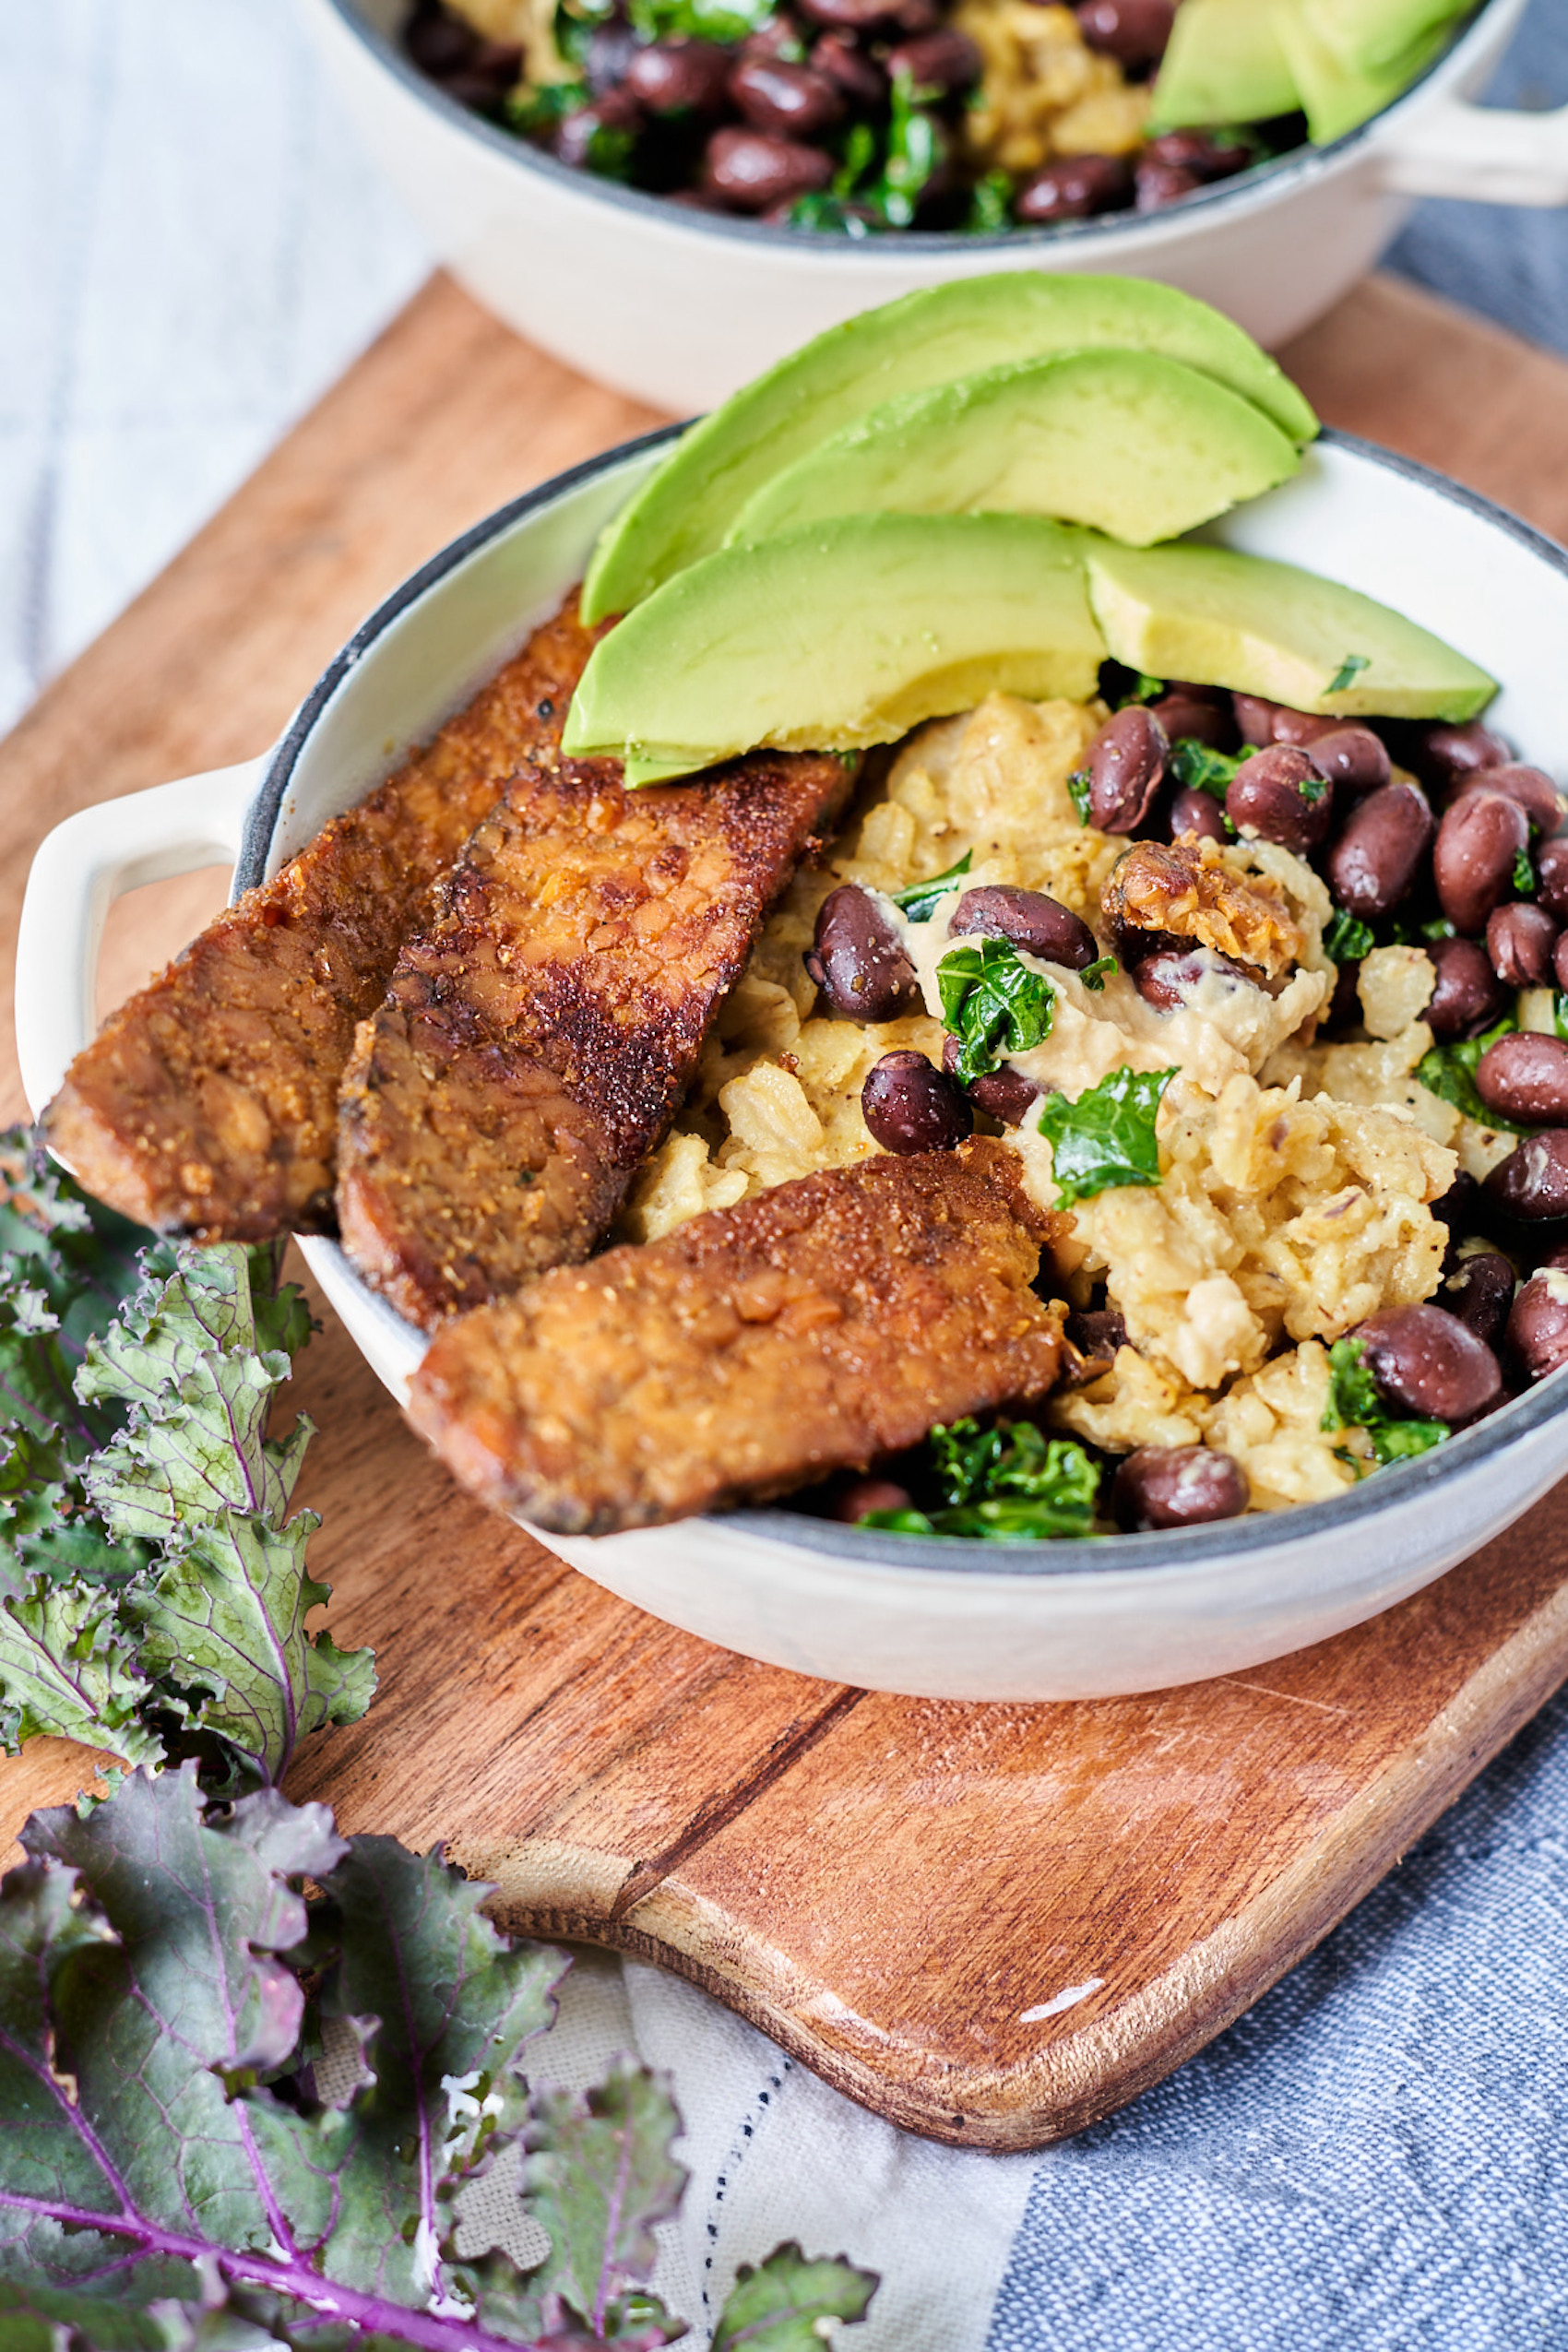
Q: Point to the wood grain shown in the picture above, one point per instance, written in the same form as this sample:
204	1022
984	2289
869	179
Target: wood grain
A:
897	1889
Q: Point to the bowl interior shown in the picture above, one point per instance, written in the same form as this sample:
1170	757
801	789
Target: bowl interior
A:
1498	589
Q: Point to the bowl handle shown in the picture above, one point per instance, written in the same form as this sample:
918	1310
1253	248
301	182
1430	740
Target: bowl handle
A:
79	871
1484	152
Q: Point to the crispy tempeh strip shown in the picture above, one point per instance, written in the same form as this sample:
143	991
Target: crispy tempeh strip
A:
207	1104
536	1042
752	1350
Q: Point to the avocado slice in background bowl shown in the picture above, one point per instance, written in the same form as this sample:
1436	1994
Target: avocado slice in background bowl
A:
687	509
1132	442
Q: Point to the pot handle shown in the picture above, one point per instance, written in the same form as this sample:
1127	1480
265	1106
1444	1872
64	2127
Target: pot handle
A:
80	869
1484	152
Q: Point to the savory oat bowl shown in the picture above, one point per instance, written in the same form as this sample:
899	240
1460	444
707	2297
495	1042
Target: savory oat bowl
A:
915	1613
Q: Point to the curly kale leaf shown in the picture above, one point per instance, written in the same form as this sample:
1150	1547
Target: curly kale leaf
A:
1449	1072
165	2151
1106	1136
993	1004
1346	939
1197	766
787	2304
1355	1401
153	1589
920	901
1008	1483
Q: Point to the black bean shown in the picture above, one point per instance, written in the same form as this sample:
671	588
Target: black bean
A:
1199	151
1532	1183
681	77
1380	848
1135	32
1073	187
1198	813
850	16
1167	979
1468	996
1180	713
1525	1078
857	960
1441	755
1254	717
943	61
1520	939
1352	757
1030	919
909	1105
1004	1095
851	1502
1345	1004
1537	1326
1534	790
439	45
1560	961
1126	761
1459	1209
1473	859
610	50
753	170
1157	184
1177	1486
1098	1333
858	75
1551	877
1430	1362
1277	795
577	134
1480	1292
792	99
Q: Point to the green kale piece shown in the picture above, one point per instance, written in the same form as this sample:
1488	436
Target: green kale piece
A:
787	2303
1347	938
920	901
235	2123
1524	875
722	20
1094	976
1449	1072
990	206
1106	1136
1198	767
1348	671
1078	785
911	155
1355	1401
536	109
1007	1484
992	1003
71	1669
1143	689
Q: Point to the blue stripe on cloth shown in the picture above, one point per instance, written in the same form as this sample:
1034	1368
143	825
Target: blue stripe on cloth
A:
1372	2160
1507	261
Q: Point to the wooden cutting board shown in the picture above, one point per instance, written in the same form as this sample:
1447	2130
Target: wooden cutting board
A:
992	1924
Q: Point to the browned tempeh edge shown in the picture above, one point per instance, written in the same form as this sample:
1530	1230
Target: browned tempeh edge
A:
208	1103
536	1040
1078	2077
754	1350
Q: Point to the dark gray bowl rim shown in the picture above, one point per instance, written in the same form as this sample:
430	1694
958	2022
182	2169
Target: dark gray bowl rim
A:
870	1548
1276	177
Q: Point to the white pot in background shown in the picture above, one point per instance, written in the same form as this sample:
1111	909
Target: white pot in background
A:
678	307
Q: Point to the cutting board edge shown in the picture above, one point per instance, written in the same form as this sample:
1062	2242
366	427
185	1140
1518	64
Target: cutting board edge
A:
1085	2076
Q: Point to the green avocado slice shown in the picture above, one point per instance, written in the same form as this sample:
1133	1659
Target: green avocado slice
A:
1225	63
684	511
1346	80
1225	619
1135	443
845	634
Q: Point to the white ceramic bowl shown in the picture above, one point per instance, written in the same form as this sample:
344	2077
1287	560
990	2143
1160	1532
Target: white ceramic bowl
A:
898	1613
678	307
